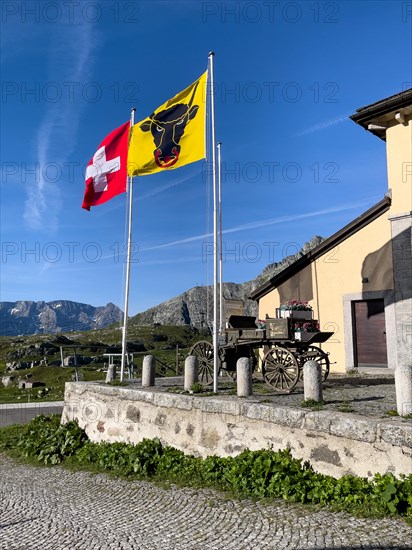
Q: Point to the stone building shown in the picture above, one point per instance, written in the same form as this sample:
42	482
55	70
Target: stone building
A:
359	280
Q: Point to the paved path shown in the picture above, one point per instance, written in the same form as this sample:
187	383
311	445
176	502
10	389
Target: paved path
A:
20	413
54	509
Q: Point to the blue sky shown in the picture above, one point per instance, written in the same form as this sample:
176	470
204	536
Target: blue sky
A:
288	75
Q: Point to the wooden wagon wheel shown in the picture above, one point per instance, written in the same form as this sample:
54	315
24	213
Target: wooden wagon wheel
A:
203	350
321	357
280	369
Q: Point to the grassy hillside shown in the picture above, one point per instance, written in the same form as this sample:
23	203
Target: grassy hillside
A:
37	357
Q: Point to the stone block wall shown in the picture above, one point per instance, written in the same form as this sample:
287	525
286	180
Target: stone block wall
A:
334	443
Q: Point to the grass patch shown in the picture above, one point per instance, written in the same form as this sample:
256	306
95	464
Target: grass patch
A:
346	407
394	412
175	389
9	437
263	474
352	372
196	389
312	404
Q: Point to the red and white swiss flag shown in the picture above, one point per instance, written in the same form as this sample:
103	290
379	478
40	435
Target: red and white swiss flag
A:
107	171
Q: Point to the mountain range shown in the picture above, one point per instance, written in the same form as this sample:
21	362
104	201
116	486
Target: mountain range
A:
27	317
194	307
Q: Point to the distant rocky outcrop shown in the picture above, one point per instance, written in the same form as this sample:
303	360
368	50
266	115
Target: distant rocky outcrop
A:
27	317
195	306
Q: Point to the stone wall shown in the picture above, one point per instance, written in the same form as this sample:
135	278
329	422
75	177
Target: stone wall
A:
334	443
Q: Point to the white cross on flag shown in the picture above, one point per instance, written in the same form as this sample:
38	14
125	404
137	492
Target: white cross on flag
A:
107	171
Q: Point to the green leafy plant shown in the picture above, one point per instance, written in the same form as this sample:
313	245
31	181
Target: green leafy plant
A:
260	474
48	441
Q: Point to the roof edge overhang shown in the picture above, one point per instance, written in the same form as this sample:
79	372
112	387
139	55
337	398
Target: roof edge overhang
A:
328	244
375	112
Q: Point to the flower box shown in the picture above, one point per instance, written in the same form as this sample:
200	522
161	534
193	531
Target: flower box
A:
294	314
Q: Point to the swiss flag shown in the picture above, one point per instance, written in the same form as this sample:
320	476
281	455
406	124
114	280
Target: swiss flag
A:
107	171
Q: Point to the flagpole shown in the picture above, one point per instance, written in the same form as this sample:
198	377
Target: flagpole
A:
219	179
128	258
215	225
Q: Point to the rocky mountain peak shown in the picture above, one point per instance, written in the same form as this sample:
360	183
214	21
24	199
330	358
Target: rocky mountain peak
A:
195	306
28	317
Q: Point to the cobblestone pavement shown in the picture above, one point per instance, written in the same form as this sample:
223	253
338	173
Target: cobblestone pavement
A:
55	509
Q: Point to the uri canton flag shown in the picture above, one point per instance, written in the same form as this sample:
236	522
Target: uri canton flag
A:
173	135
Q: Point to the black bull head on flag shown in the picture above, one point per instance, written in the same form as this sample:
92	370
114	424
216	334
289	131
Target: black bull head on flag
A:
168	127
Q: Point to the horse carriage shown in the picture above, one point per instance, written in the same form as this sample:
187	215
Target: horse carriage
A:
285	341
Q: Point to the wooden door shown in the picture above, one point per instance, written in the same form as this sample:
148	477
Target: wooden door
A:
370	333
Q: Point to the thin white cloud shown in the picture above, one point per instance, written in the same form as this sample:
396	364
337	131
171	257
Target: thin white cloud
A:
162	188
268	222
323	125
70	59
116	204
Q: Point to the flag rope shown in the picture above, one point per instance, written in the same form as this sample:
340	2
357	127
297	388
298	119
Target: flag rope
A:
219	181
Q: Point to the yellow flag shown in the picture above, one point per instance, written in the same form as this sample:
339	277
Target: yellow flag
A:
174	135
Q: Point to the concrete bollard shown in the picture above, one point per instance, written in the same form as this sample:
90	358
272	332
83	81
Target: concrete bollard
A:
191	372
312	381
111	374
148	371
403	388
244	377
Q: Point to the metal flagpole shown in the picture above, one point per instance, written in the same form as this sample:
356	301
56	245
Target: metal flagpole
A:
215	241
128	257
219	179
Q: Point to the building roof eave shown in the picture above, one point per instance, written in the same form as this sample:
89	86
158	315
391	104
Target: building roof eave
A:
375	117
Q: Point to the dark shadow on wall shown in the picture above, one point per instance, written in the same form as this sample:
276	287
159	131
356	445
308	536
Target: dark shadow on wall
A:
298	287
377	268
376	274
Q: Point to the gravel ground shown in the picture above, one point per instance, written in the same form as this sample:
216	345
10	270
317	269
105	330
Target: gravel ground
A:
55	509
370	395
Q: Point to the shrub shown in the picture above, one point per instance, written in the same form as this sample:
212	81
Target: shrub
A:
260	474
49	442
